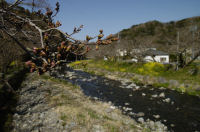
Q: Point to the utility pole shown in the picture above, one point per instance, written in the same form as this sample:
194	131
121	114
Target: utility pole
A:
177	50
193	29
192	44
118	37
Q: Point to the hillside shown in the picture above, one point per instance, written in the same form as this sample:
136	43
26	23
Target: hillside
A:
164	35
155	34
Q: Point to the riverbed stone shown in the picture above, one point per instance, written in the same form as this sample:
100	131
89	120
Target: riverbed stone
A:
162	95
173	83
172	125
161	80
132	85
143	94
132	113
108	110
140	114
139	77
156	116
98	128
112	107
129	109
167	100
126	103
152	89
146	79
154	96
162	88
177	108
141	120
137	87
152	80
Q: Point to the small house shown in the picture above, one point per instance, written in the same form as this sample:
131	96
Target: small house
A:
156	55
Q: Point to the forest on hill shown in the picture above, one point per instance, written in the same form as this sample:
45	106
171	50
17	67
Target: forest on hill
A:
164	35
173	37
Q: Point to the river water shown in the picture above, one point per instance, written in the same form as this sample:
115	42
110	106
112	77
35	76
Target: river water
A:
179	112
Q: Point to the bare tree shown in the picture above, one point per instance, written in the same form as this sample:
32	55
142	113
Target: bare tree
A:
50	53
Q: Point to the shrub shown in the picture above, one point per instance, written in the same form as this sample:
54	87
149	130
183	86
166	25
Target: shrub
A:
151	68
173	58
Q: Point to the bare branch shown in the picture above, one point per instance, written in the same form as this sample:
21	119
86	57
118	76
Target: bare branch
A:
21	45
50	54
17	2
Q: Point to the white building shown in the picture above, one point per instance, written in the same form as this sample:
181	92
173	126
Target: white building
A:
121	52
155	55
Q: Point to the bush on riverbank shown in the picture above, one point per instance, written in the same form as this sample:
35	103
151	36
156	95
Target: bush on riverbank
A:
152	68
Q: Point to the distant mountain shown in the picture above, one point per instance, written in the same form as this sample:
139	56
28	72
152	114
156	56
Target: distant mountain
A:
182	34
164	35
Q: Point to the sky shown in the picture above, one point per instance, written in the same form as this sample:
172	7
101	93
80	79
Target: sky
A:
114	15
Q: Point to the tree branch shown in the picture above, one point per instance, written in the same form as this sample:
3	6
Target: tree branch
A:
18	43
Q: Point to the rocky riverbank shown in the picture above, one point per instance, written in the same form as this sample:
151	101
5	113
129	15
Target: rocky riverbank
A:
192	89
50	105
33	112
99	103
144	103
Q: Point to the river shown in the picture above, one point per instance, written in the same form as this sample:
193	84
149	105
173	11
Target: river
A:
178	111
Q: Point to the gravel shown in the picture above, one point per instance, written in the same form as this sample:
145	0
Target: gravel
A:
33	114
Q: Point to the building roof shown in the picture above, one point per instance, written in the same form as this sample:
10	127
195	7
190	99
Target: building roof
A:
155	52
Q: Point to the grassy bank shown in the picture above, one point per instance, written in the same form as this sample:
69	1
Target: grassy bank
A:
189	75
